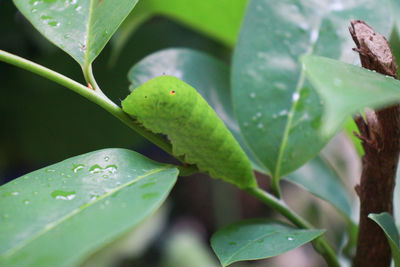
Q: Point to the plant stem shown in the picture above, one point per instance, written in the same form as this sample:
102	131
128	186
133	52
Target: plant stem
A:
96	96
320	244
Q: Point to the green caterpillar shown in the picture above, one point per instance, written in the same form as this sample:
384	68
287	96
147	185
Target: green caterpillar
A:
169	106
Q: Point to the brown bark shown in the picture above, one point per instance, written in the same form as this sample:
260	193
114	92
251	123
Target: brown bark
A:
380	135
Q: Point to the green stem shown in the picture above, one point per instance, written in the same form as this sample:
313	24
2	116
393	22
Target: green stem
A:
96	95
320	244
276	190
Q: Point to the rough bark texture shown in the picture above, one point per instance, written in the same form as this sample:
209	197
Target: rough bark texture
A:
380	133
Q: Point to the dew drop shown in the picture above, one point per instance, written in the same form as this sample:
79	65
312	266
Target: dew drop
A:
63	195
283	112
295	96
54	23
111	168
93	196
105	33
26	202
314	36
95	169
78	8
260	125
304	26
50	170
290	238
252	95
15	193
78	168
106	158
34	3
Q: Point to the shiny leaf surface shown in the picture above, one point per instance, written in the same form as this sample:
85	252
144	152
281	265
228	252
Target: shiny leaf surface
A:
321	180
278	111
347	89
258	239
79	27
58	215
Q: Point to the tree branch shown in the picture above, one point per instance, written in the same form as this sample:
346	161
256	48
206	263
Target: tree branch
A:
380	135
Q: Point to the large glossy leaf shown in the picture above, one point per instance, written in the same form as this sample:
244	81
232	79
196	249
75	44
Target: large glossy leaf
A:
278	112
218	19
208	75
258	239
58	215
80	27
321	180
346	89
211	78
386	222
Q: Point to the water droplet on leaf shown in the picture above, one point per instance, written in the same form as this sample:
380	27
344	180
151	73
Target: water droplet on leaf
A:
64	195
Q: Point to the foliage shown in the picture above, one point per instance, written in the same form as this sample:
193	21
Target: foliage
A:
266	111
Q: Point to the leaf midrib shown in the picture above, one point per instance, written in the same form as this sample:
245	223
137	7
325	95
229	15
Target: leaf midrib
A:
90	17
300	83
74	212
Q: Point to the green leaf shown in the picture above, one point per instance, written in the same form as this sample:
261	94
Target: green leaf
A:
321	180
279	113
350	127
218	19
346	89
58	215
79	27
258	239
386	222
208	75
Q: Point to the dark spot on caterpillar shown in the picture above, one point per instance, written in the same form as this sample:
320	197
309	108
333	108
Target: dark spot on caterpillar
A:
145	96
172	92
